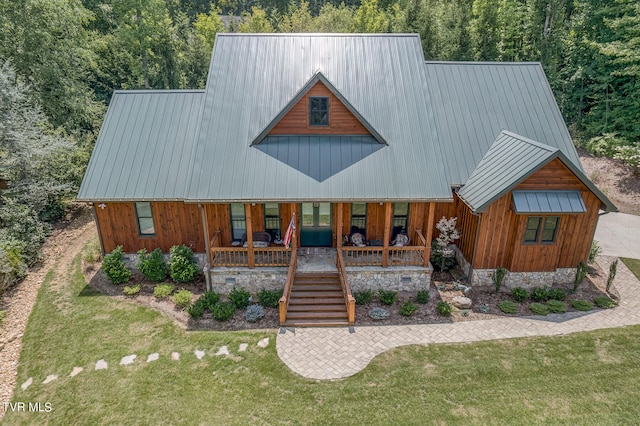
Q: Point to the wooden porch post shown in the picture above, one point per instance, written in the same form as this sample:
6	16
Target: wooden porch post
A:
339	227
247	217
429	236
387	234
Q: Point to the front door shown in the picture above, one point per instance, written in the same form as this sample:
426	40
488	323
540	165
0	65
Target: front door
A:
315	229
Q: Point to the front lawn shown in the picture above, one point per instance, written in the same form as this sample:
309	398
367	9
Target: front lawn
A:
585	378
633	265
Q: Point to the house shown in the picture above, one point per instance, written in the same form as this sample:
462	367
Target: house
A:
346	134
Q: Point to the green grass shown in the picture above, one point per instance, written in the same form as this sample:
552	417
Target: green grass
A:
633	265
584	378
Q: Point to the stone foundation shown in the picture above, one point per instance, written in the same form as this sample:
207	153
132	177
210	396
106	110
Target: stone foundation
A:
396	278
482	277
253	280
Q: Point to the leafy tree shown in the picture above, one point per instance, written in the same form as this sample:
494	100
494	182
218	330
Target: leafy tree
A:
369	18
338	19
485	30
255	22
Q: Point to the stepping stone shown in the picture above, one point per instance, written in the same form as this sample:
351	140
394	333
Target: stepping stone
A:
263	343
76	371
175	356
199	354
26	384
243	347
126	360
50	378
101	365
223	351
153	357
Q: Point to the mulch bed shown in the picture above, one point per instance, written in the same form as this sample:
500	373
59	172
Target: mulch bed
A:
441	290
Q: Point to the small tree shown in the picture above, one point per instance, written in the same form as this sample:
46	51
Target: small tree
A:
612	274
581	273
114	268
594	252
448	234
498	277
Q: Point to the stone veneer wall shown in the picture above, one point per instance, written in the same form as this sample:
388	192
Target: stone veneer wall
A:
253	280
396	278
482	277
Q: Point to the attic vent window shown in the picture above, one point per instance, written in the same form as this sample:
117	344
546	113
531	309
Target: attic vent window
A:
318	111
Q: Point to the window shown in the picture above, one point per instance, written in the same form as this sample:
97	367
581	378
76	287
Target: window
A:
144	215
272	220
541	229
238	222
400	218
318	111
359	218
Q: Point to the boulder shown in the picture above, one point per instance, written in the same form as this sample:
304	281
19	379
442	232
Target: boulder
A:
461	302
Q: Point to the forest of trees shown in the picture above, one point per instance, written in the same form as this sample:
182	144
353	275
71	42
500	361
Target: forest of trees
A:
61	60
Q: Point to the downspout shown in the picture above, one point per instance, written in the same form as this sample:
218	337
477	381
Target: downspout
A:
205	229
95	220
475	245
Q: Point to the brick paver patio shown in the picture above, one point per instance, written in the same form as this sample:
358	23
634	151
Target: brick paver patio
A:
333	353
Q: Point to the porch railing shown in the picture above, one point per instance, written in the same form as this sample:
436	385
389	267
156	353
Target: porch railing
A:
286	293
349	300
239	256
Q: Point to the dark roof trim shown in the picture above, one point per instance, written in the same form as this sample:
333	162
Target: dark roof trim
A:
318	76
545	202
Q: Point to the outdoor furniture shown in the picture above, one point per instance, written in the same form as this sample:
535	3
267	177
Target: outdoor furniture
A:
260	239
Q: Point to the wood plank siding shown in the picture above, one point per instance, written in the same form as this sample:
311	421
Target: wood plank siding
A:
341	120
175	223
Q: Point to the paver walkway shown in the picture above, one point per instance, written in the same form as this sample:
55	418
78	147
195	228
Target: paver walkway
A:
333	353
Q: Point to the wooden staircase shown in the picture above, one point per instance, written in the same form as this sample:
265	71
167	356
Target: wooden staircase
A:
316	300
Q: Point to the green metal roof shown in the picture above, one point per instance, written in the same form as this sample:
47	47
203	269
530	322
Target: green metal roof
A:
510	160
144	148
254	78
548	202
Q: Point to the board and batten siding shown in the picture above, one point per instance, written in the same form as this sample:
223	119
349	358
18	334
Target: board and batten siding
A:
500	239
341	120
175	223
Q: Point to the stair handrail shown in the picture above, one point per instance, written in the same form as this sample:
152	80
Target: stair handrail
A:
349	300
286	293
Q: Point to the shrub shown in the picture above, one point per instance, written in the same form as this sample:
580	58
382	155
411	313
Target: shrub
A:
164	290
131	290
582	305
603	302
182	264
448	234
239	298
270	298
12	265
2	314
581	273
538	308
182	298
197	309
408	308
540	294
378	313
152	265
444	308
498	277
209	299
557	306
519	294
423	296
363	297
594	252
604	145
254	313
483	308
114	268
223	311
557	294
92	251
508	307
613	268
387	297
630	154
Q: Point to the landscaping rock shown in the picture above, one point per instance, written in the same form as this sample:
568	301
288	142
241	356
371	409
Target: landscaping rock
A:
461	302
101	365
243	347
223	351
175	356
126	360
50	378
153	357
76	371
199	354
263	343
26	384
